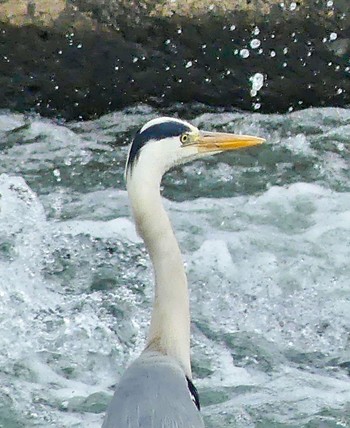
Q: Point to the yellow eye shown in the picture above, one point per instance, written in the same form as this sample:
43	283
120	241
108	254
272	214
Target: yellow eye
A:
184	138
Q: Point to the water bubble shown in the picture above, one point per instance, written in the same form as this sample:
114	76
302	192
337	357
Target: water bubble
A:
188	64
255	43
285	50
57	174
135	59
233	27
333	36
256	31
292	6
79	45
329	3
272	54
167	41
257	81
244	53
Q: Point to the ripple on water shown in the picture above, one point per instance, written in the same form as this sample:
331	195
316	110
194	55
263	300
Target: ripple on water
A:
265	236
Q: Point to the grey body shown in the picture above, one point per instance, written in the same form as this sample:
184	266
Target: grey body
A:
153	393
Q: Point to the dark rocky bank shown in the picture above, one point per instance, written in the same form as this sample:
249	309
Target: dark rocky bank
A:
91	57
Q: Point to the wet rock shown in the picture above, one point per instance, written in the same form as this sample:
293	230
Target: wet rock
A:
86	58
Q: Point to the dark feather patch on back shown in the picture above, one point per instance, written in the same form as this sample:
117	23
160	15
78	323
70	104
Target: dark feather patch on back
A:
154	133
194	393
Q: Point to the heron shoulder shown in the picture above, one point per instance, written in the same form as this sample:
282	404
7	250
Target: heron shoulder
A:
153	393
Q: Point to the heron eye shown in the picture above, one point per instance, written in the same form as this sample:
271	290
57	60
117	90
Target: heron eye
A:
184	138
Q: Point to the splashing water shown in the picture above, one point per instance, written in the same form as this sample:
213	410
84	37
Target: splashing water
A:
265	237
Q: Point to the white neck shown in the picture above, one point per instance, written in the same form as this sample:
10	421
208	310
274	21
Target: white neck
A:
170	323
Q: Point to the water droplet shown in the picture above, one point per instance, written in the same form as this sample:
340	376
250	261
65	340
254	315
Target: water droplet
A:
79	45
333	36
292	6
244	53
257	81
272	54
188	64
329	3
256	31
255	43
233	27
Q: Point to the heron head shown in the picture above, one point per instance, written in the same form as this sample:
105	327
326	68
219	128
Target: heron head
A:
165	142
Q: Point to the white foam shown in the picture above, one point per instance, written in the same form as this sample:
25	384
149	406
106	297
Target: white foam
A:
121	228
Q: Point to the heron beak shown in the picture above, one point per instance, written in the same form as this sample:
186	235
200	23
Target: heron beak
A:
219	141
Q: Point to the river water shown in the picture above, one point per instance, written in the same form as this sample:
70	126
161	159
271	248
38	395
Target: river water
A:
265	235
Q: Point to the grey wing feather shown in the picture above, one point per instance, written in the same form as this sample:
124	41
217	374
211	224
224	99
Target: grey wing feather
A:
153	393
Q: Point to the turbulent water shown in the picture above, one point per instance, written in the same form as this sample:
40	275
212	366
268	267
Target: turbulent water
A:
265	235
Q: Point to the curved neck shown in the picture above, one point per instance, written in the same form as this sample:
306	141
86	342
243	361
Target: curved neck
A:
170	323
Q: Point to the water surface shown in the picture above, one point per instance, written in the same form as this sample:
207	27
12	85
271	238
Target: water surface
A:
265	235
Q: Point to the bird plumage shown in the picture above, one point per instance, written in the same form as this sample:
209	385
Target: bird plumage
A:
156	391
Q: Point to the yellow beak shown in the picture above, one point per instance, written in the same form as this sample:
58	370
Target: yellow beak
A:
219	141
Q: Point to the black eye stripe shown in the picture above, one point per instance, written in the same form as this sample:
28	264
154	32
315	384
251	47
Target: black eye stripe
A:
156	132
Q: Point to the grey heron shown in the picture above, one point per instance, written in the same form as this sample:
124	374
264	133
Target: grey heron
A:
156	391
